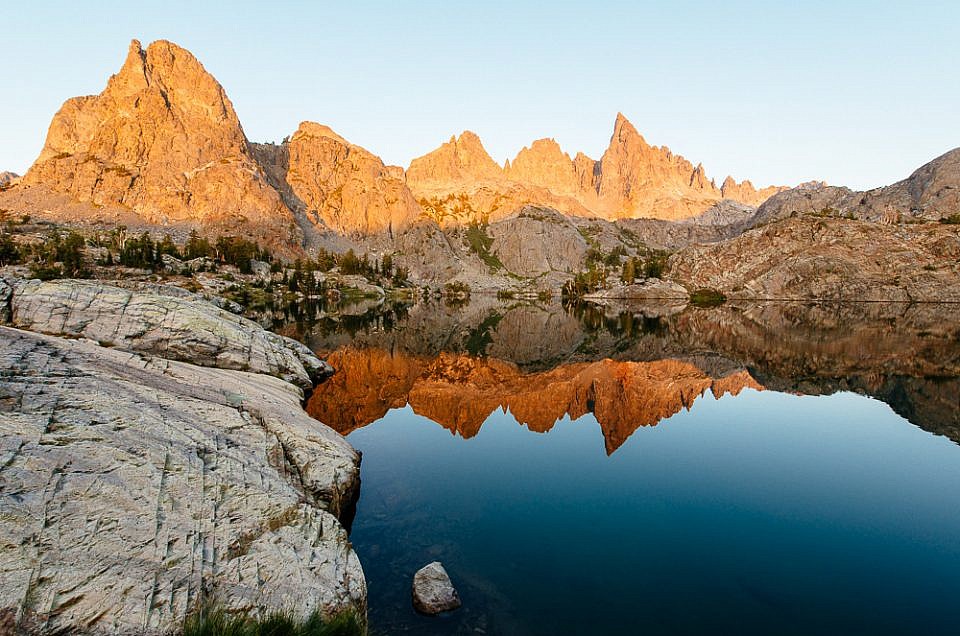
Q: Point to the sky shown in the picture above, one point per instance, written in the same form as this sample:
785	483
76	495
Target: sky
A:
854	93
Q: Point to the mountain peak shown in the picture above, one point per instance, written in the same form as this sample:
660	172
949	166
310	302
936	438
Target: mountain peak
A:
132	74
462	159
745	192
623	130
469	137
161	139
544	164
546	142
346	186
313	129
546	148
637	179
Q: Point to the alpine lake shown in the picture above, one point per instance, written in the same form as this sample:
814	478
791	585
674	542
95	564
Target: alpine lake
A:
751	468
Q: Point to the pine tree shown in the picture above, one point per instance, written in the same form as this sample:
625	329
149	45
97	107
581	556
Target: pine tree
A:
629	272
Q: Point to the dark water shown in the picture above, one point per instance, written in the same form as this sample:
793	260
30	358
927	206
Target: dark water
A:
747	470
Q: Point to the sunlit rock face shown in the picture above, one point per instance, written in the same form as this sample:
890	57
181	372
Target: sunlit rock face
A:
339	185
745	193
639	180
162	139
459	391
543	163
459	162
460	183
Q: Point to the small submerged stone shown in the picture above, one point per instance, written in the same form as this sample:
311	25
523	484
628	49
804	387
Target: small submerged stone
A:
432	590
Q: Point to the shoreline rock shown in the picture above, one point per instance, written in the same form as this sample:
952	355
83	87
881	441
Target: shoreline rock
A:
650	289
134	487
162	323
433	592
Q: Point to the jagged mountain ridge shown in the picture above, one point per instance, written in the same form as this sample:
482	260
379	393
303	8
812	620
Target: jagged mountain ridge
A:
459	181
163	140
163	143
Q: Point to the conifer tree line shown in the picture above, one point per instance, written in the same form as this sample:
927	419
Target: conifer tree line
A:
601	272
61	255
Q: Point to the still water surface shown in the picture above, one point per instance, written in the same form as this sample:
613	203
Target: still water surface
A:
671	480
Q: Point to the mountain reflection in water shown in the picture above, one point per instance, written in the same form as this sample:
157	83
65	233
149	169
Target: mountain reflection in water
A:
460	391
630	367
764	513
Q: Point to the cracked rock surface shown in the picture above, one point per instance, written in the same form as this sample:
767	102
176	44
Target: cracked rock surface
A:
132	485
159	323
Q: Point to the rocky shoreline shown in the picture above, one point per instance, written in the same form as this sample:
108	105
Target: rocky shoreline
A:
155	455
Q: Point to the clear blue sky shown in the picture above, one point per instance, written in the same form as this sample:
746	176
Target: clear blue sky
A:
856	93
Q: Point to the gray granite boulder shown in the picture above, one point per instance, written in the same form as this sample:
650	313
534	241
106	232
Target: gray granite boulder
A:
432	590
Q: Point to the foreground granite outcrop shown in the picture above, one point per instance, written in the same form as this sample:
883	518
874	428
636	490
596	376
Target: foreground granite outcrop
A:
162	323
132	486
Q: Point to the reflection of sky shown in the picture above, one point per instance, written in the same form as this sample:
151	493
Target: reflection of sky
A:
799	513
